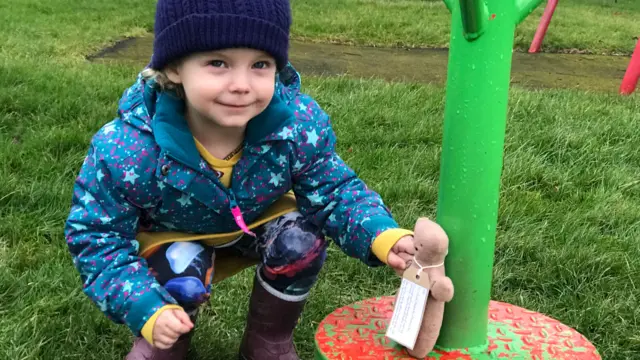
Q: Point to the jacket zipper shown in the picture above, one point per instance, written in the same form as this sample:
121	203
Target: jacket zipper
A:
237	214
233	205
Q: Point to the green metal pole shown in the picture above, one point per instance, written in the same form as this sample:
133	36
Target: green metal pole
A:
471	163
474	18
524	8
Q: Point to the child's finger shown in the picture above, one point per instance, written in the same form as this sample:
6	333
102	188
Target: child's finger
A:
408	247
406	257
171	333
405	244
184	318
411	251
396	262
175	323
164	342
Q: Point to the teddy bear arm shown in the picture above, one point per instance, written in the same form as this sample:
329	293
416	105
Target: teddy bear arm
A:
442	289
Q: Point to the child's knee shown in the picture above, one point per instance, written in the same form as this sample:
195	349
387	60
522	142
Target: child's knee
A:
298	246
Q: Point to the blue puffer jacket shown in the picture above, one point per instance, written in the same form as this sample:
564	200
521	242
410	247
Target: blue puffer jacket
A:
144	173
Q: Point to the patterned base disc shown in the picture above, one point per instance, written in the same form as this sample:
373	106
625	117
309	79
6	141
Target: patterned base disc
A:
357	331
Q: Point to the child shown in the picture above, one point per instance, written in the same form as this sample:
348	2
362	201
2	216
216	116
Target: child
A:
217	155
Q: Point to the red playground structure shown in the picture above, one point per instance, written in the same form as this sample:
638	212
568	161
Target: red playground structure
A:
544	25
632	75
630	80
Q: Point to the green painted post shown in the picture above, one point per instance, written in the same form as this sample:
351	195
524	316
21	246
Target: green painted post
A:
482	35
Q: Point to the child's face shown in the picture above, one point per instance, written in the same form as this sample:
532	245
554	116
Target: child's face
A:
227	87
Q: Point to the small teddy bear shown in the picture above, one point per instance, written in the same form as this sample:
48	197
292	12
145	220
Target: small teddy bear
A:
432	245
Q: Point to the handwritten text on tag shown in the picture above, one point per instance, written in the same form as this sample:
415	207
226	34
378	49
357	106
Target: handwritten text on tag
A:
407	313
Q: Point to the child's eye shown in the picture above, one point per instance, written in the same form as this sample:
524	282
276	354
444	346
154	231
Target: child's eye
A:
261	65
217	63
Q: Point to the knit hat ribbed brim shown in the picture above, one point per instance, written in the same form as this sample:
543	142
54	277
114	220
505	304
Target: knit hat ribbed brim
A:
215	25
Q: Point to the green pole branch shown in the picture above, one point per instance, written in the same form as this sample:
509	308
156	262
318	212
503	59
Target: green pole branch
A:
449	4
524	8
474	18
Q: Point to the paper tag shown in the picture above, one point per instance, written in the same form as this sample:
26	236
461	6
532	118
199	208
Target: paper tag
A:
409	308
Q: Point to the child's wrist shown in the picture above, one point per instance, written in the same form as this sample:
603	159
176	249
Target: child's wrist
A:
147	329
383	244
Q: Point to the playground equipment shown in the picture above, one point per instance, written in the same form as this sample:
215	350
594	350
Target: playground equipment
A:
549	10
630	80
474	327
632	75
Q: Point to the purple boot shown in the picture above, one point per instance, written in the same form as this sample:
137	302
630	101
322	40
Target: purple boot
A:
270	324
142	350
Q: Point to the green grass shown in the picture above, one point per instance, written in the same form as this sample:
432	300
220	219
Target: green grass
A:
67	30
591	26
569	217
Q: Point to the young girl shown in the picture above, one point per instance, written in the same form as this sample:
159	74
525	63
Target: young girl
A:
216	157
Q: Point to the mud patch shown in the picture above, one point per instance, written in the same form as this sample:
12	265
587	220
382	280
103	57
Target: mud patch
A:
535	71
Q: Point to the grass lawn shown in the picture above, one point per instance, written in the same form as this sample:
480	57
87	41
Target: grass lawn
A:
593	26
570	205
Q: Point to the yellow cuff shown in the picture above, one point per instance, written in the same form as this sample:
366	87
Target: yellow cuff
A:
385	241
147	329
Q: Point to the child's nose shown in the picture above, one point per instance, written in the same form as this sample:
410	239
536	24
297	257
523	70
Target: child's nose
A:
240	83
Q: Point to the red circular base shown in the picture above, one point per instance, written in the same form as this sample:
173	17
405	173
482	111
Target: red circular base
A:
357	331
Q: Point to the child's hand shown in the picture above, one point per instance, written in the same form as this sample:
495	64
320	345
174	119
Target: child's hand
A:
169	326
401	253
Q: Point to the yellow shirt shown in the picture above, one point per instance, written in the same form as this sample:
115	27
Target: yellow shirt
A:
223	168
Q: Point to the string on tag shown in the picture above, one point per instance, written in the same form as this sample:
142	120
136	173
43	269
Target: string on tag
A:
424	267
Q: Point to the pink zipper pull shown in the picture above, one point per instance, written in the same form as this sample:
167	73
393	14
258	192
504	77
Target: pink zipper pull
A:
237	215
